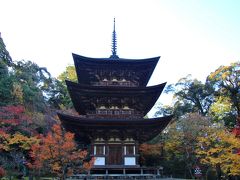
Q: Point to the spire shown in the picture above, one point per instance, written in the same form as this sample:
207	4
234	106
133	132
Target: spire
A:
114	43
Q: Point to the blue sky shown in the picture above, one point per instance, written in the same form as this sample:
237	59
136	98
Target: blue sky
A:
191	36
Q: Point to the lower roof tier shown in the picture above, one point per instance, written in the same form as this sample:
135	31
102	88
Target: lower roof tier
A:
141	130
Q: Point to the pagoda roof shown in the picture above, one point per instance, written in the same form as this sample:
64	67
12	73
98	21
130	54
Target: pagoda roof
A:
86	65
141	129
83	96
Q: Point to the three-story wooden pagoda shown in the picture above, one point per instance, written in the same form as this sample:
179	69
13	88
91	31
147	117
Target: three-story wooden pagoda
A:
112	98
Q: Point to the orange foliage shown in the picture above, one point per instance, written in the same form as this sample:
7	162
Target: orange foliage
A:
151	149
88	165
59	152
236	130
151	154
3	138
2	172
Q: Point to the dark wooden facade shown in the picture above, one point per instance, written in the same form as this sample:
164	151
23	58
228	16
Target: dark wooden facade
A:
112	98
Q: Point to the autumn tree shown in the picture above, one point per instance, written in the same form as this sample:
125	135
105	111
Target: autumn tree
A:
2	172
218	149
151	154
59	153
16	138
14	119
180	142
68	74
226	83
222	111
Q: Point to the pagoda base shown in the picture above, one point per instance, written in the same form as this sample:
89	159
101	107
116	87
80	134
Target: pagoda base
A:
121	172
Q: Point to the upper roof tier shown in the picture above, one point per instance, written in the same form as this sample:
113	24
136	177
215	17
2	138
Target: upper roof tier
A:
94	71
89	100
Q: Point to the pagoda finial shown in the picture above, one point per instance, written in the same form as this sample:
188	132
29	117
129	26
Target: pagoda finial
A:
114	43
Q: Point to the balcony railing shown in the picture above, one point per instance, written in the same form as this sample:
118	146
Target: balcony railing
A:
115	83
115	113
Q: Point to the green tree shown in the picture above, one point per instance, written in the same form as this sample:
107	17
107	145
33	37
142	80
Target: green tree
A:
35	83
4	54
60	98
163	110
6	79
190	96
6	85
23	82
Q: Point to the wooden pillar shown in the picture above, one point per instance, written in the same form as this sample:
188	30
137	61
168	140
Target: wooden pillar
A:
122	144
136	152
106	151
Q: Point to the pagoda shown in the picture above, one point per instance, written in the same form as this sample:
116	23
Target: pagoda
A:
112	99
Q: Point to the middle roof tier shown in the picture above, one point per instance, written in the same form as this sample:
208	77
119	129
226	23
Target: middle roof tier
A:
113	101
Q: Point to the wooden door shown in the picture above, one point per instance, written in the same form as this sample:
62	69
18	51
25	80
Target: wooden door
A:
115	155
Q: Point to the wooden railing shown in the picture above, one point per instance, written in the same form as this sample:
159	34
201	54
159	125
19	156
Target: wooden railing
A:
115	113
115	83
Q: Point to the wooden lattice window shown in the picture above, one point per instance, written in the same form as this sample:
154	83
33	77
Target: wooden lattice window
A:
130	150
99	150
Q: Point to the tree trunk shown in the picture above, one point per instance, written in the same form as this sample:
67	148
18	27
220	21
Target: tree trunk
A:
218	170
190	172
206	176
30	177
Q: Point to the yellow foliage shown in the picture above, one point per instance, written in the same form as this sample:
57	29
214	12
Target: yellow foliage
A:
220	147
16	141
22	141
69	73
17	92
